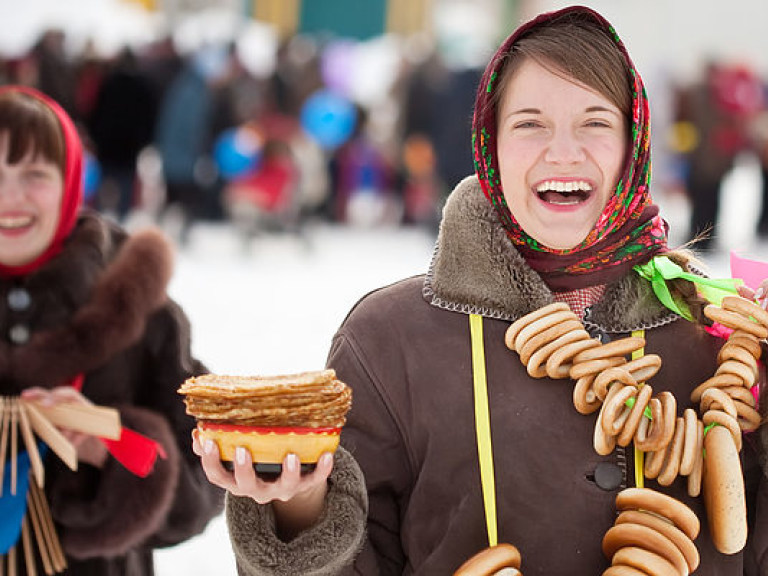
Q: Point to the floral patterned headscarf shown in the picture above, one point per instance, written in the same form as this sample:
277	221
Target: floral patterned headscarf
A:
629	231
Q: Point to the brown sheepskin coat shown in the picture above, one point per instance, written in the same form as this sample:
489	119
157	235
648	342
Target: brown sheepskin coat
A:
100	309
405	351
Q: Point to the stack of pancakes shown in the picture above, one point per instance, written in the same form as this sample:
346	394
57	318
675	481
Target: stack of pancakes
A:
271	415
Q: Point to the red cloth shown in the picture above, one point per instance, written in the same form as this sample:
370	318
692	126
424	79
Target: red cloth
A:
581	299
133	450
72	197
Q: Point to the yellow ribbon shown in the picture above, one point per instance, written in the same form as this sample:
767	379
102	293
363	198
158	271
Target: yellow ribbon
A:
639	454
483	427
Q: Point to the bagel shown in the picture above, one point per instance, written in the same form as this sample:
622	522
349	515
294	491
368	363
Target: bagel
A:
490	561
723	487
623	571
653	441
635	416
644	368
674	534
535	364
608	377
735	320
674	454
745	307
620	347
584	398
541	325
728	422
748	341
746	373
588	367
560	363
716	399
630	534
616	412
694	478
663	505
690	444
649	562
718	381
514	329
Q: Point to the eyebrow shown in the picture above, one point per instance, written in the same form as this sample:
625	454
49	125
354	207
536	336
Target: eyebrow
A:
588	110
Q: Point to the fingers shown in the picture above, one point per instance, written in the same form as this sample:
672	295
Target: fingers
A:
52	396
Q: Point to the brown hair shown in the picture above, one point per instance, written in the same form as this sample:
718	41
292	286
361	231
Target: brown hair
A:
576	46
32	127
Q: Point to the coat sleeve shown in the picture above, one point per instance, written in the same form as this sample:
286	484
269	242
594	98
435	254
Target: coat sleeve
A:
109	511
326	549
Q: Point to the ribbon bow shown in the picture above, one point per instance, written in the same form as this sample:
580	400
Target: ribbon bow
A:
660	269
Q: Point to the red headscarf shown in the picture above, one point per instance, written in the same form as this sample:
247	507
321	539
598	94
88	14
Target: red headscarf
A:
72	196
628	232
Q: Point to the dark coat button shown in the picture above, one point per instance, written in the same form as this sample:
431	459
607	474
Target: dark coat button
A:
19	334
608	476
19	299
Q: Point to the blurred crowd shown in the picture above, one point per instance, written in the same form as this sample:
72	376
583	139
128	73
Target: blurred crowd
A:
719	118
199	136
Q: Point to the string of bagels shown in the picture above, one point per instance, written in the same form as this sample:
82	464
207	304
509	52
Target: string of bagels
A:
653	532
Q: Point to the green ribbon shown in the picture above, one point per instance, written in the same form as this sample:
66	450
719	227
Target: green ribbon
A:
660	269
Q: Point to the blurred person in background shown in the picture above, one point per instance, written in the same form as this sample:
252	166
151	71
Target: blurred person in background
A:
85	318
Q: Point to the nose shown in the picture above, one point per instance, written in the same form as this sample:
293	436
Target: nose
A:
9	187
564	148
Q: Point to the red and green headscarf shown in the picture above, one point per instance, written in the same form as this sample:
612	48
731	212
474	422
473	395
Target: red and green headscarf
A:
628	232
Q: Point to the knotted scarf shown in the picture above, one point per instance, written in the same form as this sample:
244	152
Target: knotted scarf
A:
628	232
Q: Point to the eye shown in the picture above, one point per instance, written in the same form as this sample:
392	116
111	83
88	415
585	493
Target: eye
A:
526	124
597	123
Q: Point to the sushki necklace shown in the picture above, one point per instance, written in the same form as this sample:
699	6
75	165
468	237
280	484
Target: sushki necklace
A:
653	531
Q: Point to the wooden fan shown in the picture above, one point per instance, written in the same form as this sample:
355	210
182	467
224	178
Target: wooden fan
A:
29	419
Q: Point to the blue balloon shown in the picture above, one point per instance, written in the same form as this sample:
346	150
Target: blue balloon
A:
328	118
237	151
91	176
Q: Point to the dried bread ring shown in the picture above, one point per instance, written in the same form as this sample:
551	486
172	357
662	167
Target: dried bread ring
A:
723	488
620	347
669	411
654	462
734	351
748	418
694	478
588	367
690	443
584	398
623	571
645	560
717	381
748	341
716	399
607	377
535	364
740	394
615	411
542	325
559	364
628	534
745	307
643	368
635	416
653	441
735	320
602	442
674	534
730	423
748	375
490	561
673	455
514	329
662	504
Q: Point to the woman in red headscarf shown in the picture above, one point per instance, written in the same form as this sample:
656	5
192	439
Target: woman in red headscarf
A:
85	318
478	413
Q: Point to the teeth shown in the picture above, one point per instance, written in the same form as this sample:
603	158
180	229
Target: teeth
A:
15	221
559	186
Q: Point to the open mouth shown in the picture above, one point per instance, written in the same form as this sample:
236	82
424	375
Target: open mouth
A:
564	193
15	222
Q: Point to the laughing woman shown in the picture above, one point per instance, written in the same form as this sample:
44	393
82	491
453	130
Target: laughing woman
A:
85	318
463	434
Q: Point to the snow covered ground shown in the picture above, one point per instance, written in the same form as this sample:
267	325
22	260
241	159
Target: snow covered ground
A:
273	306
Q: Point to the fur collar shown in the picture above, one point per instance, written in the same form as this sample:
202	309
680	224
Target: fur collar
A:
476	269
113	282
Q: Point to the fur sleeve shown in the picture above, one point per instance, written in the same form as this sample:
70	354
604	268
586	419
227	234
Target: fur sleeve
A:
323	550
110	511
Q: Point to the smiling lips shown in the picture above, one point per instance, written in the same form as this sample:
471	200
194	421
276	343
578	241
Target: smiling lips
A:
564	193
14	223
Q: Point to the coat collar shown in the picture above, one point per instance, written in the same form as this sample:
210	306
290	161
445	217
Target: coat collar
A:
476	269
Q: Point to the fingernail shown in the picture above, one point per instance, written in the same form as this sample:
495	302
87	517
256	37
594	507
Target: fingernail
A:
208	447
292	462
760	293
240	455
326	458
